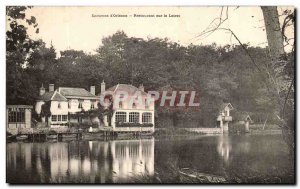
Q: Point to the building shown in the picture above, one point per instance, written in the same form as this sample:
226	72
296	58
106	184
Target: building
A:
245	120
132	112
56	107
224	116
18	117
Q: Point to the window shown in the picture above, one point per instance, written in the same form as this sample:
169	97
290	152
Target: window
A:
54	118
57	118
134	105
69	104
120	117
134	117
146	104
147	117
92	105
80	104
59	106
227	112
64	117
120	104
16	115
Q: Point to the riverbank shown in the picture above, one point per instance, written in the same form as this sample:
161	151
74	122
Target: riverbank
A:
169	132
84	136
42	133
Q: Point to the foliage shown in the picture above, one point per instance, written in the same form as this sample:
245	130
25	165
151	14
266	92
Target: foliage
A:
98	112
119	124
45	109
52	132
18	47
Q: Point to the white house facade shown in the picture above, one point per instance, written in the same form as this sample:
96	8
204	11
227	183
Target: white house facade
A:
132	112
64	102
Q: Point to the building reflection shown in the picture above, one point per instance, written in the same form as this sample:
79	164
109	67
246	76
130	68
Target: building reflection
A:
224	148
131	158
83	161
228	148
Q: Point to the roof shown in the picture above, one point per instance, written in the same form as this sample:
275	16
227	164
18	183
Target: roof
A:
224	105
247	117
241	116
46	96
58	97
54	95
19	106
130	89
74	92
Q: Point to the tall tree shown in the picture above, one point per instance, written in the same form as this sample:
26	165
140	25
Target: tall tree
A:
278	78
18	47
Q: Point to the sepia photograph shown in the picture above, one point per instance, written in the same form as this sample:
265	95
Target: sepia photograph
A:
150	95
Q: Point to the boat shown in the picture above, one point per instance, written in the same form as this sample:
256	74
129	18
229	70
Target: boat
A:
189	175
22	137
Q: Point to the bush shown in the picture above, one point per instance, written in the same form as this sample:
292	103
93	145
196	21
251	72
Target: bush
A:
236	127
120	124
52	132
72	125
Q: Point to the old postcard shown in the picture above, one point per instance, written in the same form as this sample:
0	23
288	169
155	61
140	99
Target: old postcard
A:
152	95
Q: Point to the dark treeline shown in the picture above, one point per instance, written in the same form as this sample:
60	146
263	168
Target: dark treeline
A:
219	74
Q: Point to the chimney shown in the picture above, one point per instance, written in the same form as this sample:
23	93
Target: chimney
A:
42	90
92	90
141	88
51	87
102	86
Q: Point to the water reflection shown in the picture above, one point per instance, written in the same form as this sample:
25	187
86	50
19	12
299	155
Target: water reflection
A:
121	160
224	147
81	161
132	158
228	146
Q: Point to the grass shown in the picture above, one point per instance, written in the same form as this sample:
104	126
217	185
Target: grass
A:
267	127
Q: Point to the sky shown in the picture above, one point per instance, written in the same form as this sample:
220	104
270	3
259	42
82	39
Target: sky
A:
76	28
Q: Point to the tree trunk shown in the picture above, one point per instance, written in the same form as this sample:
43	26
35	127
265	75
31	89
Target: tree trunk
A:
274	35
277	56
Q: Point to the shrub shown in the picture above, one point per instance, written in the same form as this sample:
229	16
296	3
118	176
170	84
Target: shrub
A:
121	124
52	132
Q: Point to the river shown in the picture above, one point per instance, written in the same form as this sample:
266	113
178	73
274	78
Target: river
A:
254	157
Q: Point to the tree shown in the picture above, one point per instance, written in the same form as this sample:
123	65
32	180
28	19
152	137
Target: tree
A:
279	79
273	72
18	47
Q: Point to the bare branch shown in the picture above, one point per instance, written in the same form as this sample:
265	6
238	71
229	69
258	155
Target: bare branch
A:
286	22
220	20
